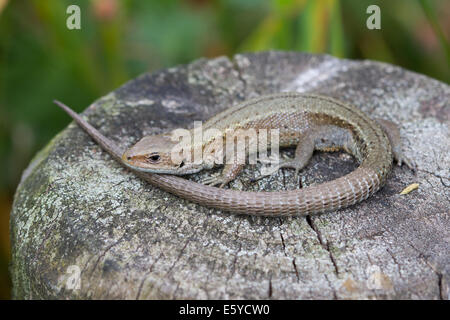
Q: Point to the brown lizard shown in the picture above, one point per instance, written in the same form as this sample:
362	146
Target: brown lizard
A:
312	122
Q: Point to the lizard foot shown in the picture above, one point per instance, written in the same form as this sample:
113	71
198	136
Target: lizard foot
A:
401	159
294	164
288	163
214	181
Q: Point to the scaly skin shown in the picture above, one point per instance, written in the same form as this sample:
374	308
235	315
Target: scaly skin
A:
309	117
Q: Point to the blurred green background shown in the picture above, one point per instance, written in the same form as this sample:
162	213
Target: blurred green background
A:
40	59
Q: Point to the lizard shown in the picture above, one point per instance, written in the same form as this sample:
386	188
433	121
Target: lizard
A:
313	122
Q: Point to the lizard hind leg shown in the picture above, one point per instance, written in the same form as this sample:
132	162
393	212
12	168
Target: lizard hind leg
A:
393	134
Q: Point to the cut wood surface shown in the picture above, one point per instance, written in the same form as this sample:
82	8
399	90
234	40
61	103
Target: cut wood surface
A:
84	227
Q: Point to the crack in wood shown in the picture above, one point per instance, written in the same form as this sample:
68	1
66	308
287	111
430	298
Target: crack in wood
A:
324	245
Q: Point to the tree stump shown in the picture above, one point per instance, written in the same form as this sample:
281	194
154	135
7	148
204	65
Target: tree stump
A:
83	227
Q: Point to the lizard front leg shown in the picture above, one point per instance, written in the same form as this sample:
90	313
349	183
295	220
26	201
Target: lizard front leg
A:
303	154
229	173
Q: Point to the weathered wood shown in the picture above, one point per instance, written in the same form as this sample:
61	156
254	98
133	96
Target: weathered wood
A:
76	209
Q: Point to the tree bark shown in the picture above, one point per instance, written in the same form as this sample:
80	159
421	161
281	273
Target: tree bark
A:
79	215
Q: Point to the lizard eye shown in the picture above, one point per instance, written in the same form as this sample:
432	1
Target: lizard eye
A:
153	158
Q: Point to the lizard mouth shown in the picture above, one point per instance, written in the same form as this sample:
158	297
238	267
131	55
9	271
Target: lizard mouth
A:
181	170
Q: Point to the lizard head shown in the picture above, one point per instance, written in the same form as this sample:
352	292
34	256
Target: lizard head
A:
155	154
